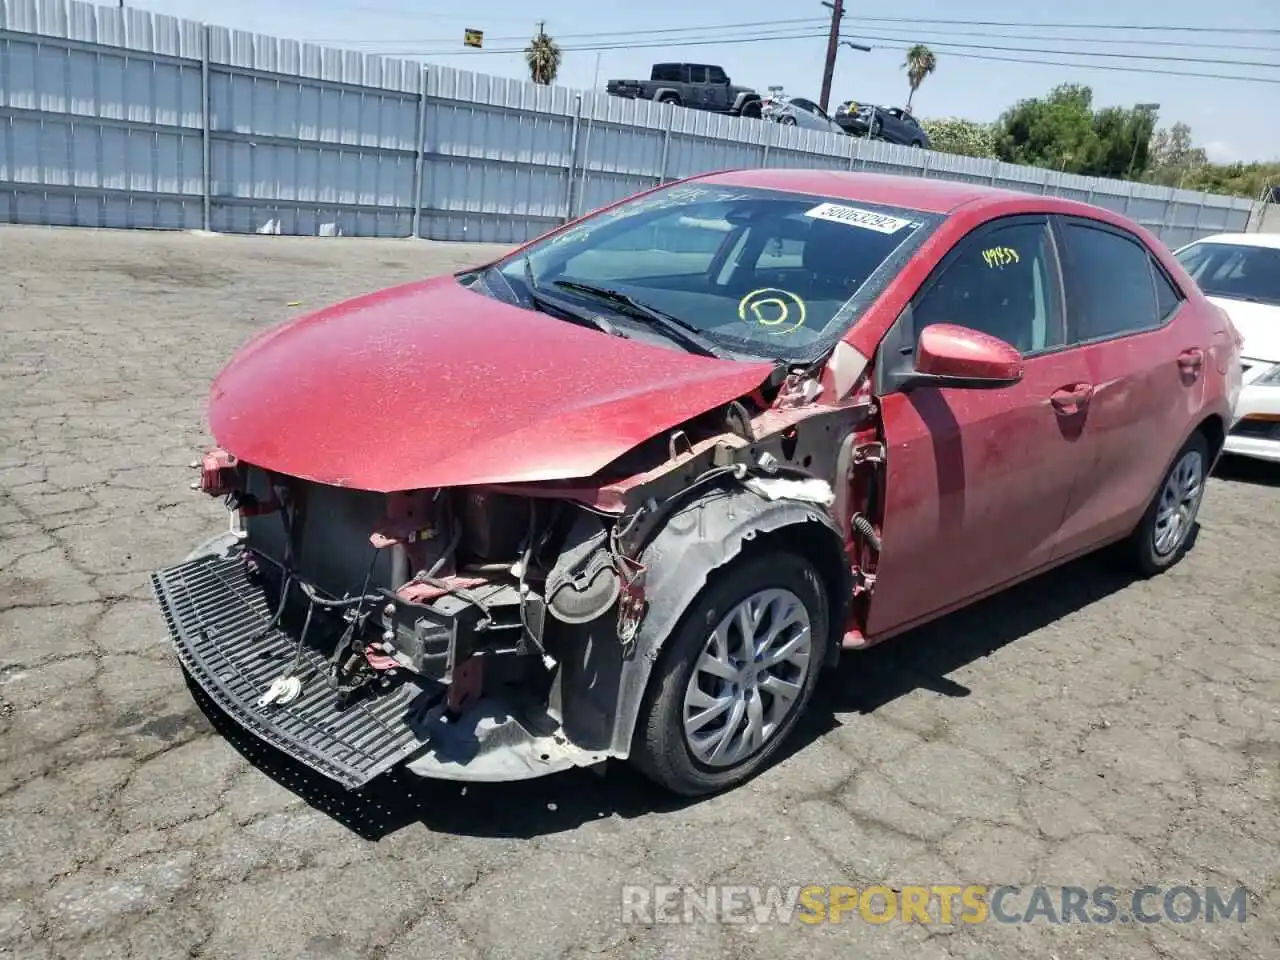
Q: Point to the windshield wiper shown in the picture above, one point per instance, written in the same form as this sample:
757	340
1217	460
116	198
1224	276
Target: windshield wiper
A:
547	305
675	328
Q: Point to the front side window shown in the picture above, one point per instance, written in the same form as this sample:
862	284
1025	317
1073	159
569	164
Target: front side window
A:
717	75
762	272
1110	289
1234	271
1000	283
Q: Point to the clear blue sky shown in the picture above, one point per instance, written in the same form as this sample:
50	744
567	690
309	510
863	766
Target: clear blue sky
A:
1232	120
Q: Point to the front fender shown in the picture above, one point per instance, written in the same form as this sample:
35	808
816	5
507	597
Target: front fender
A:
697	540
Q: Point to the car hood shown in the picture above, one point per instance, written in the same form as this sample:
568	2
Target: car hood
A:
433	385
1258	323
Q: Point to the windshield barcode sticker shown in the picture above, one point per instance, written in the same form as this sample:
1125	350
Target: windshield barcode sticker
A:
857	217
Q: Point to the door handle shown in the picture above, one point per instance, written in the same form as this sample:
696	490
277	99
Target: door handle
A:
1071	399
1190	361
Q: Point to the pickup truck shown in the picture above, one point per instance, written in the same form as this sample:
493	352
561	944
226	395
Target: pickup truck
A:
698	86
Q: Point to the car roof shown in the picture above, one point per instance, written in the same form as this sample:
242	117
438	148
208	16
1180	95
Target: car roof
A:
1270	240
918	193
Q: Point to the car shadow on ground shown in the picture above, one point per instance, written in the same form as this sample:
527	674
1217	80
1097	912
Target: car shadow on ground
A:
1248	470
862	683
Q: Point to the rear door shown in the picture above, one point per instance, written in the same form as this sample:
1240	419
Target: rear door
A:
718	88
1146	359
701	93
977	480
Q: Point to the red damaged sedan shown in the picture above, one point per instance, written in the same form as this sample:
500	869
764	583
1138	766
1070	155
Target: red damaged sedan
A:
628	490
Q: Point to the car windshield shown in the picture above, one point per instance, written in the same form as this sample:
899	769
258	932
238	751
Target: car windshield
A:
1234	271
761	273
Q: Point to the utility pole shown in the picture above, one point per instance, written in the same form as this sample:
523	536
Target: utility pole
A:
833	44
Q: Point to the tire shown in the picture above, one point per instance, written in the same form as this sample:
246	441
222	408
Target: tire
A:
876	128
1151	553
669	98
917	144
662	749
788	121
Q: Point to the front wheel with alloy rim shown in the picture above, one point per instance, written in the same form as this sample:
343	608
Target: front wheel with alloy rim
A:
1161	537
734	676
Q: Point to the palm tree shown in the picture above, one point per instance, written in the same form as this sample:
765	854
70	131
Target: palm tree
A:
543	57
919	64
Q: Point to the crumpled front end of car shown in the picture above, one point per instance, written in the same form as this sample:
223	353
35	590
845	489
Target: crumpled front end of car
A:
381	625
494	632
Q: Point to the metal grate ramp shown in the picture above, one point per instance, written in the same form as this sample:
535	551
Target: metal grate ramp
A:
213	611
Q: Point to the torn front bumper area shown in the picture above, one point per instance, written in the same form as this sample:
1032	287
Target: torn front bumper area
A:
220	618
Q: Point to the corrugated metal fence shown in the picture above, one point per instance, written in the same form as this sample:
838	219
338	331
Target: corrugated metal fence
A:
121	118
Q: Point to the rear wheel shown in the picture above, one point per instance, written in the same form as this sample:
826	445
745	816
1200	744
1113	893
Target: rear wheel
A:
788	121
735	676
669	98
1160	538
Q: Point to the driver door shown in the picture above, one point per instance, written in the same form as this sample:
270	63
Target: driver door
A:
978	479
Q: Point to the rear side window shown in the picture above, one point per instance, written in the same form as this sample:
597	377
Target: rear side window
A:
1108	282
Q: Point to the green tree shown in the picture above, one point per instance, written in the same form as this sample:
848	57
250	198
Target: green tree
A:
919	64
1124	141
1054	131
964	137
1173	149
543	57
1064	132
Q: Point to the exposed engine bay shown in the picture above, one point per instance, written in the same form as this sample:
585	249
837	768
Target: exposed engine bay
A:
494	632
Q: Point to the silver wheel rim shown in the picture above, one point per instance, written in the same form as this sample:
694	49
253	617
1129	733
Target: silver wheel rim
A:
1179	499
748	678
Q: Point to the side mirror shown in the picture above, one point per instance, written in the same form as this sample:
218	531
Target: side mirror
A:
953	356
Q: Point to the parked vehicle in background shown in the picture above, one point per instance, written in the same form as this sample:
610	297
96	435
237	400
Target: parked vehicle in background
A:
892	124
1240	272
628	489
797	112
699	86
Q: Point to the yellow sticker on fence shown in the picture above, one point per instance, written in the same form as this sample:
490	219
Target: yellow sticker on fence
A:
1000	257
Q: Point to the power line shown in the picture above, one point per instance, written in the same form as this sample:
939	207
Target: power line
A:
1038	61
1163	58
1110	40
762	38
1106	66
620	34
1072	26
758	38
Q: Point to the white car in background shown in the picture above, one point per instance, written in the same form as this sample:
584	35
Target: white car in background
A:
1240	272
798	112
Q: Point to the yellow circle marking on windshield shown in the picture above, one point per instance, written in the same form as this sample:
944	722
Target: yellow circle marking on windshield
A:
772	307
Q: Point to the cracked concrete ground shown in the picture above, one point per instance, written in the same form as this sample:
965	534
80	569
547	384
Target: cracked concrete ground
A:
1082	729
